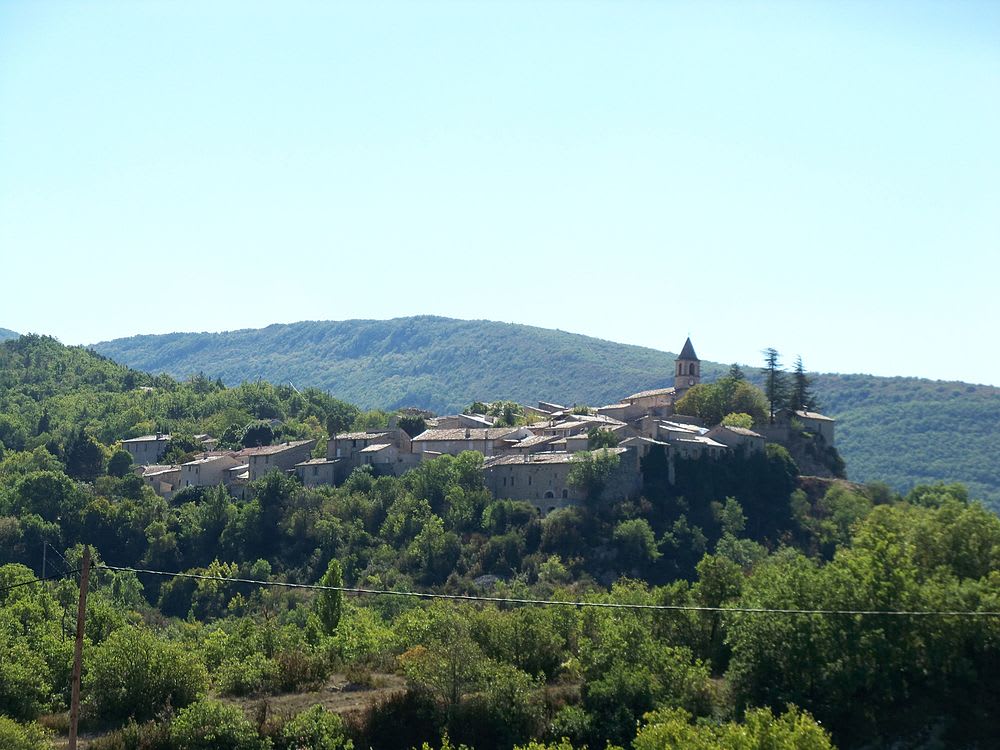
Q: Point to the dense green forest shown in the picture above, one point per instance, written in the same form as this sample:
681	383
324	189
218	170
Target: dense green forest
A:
175	663
904	431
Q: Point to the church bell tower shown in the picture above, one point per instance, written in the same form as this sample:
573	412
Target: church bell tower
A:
687	370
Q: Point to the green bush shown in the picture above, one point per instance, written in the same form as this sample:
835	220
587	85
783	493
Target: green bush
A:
14	736
315	729
246	676
134	674
210	725
24	682
150	735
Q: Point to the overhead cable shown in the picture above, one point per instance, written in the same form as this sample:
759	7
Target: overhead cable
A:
560	602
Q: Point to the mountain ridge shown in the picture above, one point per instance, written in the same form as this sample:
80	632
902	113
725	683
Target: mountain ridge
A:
905	430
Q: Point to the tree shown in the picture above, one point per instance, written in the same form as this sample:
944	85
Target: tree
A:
738	419
801	395
635	543
601	438
257	434
775	383
412	424
179	448
450	665
590	472
134	674
84	457
211	725
713	401
329	604
119	464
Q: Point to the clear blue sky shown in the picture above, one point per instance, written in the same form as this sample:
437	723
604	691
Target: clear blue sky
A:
823	178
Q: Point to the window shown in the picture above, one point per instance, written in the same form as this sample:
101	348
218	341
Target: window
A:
565	494
549	495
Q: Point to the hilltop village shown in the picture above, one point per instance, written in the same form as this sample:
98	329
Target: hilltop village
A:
529	462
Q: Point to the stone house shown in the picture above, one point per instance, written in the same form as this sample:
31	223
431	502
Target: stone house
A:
164	479
387	451
208	469
283	457
488	441
738	438
542	478
811	421
147	449
317	471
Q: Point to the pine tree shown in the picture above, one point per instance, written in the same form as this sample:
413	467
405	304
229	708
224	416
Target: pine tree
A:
775	381
802	396
84	457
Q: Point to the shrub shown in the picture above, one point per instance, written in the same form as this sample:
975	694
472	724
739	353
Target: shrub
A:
24	682
300	670
315	729
210	725
14	736
135	675
239	676
150	735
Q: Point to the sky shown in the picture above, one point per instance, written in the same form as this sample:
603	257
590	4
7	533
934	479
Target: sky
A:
818	177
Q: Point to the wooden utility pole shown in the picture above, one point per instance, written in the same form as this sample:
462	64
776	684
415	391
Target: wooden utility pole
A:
81	614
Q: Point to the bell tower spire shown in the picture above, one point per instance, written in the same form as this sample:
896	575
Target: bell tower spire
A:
687	369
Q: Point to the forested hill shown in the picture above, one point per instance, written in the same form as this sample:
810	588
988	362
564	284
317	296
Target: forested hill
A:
900	430
6	333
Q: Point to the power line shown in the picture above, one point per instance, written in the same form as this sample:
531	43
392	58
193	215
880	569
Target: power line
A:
54	577
559	602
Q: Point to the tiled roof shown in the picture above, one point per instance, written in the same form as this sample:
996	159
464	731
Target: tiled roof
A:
154	469
740	431
701	440
650	394
463	433
208	458
376	447
560	457
814	415
360	435
148	439
528	442
270	450
641	439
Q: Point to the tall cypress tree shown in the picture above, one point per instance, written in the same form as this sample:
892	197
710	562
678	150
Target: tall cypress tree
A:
802	395
775	380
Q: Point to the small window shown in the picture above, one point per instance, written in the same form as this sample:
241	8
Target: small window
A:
549	495
565	494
